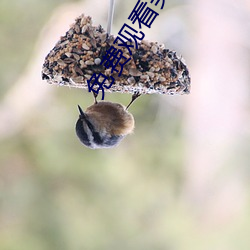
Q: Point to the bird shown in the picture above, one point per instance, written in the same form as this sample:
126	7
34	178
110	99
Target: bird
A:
104	124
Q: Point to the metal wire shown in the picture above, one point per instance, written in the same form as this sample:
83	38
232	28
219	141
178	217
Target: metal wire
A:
110	16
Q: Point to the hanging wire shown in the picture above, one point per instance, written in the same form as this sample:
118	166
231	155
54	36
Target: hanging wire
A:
110	15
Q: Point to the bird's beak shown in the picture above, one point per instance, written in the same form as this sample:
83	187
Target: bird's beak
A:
82	115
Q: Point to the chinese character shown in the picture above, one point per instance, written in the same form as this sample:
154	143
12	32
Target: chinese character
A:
100	84
147	17
112	58
126	37
163	2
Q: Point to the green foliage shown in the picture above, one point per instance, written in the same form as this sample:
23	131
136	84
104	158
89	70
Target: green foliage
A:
57	194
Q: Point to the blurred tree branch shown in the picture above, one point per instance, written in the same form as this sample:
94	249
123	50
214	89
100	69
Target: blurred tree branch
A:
27	96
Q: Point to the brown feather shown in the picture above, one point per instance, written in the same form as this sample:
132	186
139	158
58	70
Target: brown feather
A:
111	117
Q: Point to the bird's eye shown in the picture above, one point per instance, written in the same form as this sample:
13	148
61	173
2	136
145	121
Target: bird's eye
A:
88	57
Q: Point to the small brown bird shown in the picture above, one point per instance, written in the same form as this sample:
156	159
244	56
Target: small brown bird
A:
104	124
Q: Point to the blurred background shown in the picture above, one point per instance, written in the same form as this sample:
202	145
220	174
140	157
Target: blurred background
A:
180	182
